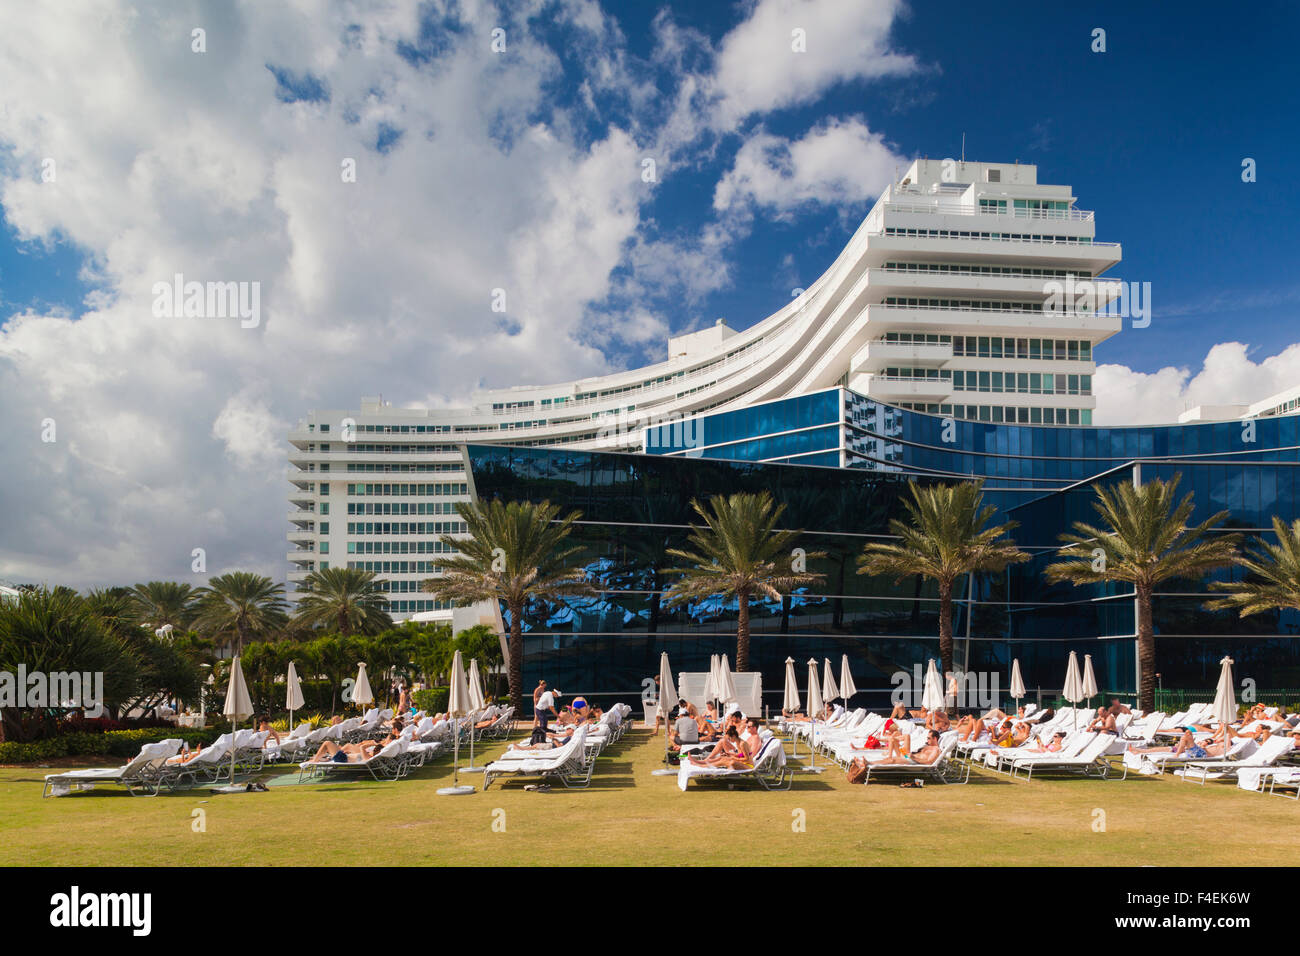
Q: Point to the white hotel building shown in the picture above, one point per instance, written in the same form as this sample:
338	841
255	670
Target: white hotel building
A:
941	302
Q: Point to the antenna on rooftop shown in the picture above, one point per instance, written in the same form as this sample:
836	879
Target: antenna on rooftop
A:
963	147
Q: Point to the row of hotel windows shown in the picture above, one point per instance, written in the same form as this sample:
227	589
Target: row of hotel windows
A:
988	305
400	508
1025	205
1008	415
970	268
414	607
968	234
374	467
397	547
994	346
400	587
364	449
435	489
395	567
407	527
1027	383
502	407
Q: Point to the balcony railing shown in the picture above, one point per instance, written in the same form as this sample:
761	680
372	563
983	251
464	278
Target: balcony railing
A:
960	209
1041	240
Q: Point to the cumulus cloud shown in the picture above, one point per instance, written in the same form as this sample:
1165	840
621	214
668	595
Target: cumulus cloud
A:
1228	376
840	162
232	165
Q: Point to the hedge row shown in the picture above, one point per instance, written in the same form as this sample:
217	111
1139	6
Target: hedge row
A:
112	743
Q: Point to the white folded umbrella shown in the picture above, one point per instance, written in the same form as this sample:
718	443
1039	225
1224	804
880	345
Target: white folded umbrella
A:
790	702
932	694
293	693
726	686
361	693
457	706
1089	679
1224	707
1017	682
815	706
829	690
238	705
847	687
1073	690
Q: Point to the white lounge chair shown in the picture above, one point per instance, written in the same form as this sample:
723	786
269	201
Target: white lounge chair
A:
1266	755
141	771
570	764
769	770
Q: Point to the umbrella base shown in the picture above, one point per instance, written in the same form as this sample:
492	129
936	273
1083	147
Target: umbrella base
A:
663	772
812	769
460	791
471	769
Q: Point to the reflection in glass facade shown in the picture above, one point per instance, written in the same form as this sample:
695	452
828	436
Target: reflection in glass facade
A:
839	462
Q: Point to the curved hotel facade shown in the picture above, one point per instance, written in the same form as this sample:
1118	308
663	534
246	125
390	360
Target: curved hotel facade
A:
952	339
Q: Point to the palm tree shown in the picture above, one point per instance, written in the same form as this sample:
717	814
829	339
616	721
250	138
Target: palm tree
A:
158	603
343	599
1144	540
739	553
1276	572
241	605
946	535
513	554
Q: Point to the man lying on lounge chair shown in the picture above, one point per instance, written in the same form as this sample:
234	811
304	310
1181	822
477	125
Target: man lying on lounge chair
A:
331	752
897	754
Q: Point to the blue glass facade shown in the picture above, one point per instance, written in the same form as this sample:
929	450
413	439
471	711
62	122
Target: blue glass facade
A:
839	462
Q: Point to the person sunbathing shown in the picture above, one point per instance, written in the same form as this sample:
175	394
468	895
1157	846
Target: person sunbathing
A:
975	732
330	752
1104	722
1051	747
924	757
186	755
939	721
1187	746
728	753
264	727
899	712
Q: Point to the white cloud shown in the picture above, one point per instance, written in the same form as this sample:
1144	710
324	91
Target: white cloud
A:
840	162
170	430
758	69
1228	376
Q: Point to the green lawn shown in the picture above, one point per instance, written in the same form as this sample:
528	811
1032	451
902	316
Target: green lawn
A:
630	817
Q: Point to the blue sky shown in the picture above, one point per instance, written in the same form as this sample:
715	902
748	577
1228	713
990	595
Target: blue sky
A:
1151	134
520	170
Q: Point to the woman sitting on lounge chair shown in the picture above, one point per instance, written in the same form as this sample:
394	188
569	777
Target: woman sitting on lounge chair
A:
730	752
330	752
1051	747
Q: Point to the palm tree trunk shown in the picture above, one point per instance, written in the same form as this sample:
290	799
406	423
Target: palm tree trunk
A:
516	657
1146	650
945	626
742	634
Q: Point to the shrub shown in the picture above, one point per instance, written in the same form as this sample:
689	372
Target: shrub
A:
432	700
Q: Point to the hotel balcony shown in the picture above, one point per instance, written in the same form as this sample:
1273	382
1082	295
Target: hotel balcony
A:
878	354
1076	254
1028	323
988	285
901	388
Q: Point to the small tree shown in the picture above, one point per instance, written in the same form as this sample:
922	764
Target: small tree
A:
946	536
740	553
